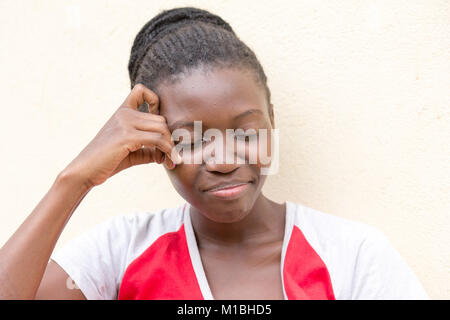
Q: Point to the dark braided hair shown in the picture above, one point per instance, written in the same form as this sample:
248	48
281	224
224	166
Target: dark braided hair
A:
178	40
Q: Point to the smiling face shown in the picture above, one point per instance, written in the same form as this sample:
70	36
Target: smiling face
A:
225	98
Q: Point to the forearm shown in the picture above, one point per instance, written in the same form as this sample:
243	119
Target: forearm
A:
25	255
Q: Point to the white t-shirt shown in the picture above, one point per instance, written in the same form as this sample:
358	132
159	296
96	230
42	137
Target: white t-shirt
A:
155	256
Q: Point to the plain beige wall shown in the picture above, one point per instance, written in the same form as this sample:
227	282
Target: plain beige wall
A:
361	96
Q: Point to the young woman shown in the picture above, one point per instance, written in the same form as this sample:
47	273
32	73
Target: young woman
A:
228	241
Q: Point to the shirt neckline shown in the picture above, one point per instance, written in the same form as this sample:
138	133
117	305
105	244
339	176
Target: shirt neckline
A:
195	253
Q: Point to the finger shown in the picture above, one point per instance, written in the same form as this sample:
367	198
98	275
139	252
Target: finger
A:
148	155
162	128
140	94
155	139
156	123
148	139
151	124
157	136
159	156
142	156
168	163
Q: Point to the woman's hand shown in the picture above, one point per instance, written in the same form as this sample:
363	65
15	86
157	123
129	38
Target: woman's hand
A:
118	145
129	138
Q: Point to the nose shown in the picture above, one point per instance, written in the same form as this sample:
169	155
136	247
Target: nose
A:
211	165
225	161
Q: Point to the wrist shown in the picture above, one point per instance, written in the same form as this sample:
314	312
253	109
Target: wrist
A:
74	179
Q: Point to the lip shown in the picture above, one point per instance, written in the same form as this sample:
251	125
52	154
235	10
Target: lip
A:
229	191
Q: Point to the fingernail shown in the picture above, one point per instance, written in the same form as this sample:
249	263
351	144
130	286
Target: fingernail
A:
176	158
169	164
171	167
158	160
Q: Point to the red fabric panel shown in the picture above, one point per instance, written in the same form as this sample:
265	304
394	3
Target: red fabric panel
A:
305	274
163	272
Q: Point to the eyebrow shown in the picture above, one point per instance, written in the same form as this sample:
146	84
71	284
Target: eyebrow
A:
182	123
246	113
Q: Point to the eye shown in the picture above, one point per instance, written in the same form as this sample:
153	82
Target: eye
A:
184	144
193	144
205	139
241	135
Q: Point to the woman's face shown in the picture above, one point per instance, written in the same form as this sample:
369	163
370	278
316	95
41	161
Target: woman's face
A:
221	99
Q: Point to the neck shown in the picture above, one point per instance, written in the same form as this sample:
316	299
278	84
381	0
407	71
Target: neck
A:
265	222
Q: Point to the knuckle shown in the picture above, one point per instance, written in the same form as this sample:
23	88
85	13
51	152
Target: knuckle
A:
125	133
162	131
159	142
159	118
160	127
165	145
121	114
121	124
139	87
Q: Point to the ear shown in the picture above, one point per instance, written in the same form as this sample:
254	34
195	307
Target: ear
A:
271	115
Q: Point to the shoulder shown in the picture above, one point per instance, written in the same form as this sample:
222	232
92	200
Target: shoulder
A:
97	259
325	228
126	236
142	228
136	224
130	231
360	259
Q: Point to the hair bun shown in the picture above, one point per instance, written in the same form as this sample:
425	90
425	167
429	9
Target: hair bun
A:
169	19
176	15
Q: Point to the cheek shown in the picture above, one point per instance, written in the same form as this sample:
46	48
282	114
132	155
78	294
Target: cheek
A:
182	178
191	156
259	151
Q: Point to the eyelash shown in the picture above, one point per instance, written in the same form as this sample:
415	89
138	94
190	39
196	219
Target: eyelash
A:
243	136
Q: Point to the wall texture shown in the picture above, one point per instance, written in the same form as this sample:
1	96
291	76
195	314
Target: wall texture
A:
361	91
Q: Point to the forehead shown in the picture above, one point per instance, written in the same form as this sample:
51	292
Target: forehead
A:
214	96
